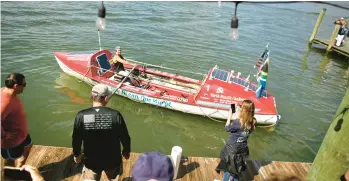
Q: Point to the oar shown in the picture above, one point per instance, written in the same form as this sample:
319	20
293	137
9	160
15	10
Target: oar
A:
159	66
123	80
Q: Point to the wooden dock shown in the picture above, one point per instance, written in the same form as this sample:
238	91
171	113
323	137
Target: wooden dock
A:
329	44
344	49
56	163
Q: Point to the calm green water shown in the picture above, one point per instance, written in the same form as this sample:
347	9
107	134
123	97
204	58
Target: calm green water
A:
191	36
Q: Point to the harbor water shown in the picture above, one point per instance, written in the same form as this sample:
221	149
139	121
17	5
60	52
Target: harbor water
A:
193	36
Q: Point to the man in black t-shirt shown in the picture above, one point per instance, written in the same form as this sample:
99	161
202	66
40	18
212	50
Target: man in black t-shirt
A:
100	129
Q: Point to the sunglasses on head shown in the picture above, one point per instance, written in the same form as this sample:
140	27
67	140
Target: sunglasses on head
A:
24	85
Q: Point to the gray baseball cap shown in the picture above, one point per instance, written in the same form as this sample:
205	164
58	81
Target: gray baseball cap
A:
101	90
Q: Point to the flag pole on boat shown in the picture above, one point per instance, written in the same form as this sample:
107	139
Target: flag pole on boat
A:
101	22
260	63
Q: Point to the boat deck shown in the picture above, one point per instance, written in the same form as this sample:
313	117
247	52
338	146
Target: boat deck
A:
56	163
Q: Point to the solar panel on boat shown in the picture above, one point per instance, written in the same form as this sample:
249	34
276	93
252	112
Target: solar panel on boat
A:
245	83
223	76
220	74
214	72
252	87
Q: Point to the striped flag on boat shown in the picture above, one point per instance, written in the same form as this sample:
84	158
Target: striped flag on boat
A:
262	75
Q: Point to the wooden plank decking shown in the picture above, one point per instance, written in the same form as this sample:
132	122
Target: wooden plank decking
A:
344	50
56	163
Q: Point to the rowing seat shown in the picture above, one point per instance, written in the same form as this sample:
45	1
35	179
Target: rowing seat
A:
105	69
130	79
118	77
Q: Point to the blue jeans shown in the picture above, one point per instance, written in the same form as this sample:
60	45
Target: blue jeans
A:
227	176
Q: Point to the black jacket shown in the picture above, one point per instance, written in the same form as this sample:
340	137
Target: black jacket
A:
101	130
232	161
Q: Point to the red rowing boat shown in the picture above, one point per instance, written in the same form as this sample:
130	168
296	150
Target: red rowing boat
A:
209	97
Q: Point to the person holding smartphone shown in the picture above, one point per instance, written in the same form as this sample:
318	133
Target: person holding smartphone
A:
235	152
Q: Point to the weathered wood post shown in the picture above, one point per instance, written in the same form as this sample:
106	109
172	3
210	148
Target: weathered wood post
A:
317	25
332	159
333	37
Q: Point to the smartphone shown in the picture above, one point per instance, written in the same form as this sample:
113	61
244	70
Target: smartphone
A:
232	108
16	174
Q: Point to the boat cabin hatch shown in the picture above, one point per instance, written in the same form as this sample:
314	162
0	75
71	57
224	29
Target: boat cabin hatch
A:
103	63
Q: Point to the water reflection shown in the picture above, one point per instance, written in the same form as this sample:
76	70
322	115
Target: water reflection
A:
346	78
324	64
70	86
174	41
304	65
73	95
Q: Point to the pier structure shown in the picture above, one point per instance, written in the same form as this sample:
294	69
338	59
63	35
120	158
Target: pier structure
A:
329	43
56	163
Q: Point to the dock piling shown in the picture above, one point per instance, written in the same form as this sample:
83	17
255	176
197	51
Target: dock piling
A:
333	37
332	159
317	25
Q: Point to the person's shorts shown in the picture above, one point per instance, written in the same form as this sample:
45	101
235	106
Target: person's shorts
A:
90	174
16	152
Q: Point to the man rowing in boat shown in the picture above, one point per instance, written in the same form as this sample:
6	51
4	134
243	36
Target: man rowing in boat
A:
118	62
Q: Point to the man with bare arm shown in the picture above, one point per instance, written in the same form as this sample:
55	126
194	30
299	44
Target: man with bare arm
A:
15	139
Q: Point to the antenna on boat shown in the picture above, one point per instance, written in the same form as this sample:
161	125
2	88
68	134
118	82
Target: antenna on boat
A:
101	22
99	40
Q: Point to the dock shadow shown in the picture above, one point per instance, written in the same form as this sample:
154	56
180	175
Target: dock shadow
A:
185	167
60	170
252	170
